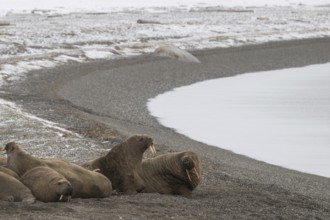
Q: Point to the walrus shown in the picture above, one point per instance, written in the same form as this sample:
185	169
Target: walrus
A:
19	160
121	164
3	160
4	169
47	185
12	190
85	183
171	173
9	172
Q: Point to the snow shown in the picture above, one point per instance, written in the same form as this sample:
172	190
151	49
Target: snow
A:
281	117
62	6
48	31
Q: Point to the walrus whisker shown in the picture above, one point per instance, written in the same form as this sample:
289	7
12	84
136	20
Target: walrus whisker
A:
188	175
97	170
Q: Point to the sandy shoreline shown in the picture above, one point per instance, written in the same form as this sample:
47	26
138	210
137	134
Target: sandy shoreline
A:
105	101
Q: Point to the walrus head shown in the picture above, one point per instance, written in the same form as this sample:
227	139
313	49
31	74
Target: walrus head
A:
64	190
138	144
12	147
190	162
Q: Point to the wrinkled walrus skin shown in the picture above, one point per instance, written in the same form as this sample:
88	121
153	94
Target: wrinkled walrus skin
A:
9	172
89	184
122	163
47	185
12	190
172	173
85	183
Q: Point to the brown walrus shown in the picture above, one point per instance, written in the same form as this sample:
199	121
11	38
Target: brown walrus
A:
122	162
172	173
12	190
85	183
9	172
89	184
47	185
3	160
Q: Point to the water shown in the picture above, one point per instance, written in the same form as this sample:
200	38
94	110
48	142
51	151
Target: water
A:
281	117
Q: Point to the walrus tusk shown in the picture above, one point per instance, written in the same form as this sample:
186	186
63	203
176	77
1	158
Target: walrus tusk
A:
188	175
97	170
153	150
196	173
68	198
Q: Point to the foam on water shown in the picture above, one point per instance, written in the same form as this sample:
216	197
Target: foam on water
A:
281	117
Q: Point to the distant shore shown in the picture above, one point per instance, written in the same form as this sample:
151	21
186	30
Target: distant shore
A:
114	94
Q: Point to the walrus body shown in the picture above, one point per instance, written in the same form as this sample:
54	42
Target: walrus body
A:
12	190
9	172
47	185
85	183
122	164
172	173
3	161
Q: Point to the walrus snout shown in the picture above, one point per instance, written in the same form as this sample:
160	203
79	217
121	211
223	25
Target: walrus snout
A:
188	163
150	144
144	142
65	190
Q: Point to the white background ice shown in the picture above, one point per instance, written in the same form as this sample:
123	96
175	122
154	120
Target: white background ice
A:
41	32
281	117
65	6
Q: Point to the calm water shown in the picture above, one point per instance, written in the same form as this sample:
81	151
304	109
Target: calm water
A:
281	117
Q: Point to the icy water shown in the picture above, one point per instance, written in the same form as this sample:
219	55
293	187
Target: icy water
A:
281	117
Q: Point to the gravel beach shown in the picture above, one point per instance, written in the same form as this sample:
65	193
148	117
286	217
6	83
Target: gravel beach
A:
104	102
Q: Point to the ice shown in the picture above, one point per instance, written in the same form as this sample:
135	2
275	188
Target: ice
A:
85	30
61	6
281	117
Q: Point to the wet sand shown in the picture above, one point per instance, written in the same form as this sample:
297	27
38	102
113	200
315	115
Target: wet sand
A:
106	101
